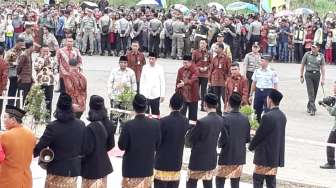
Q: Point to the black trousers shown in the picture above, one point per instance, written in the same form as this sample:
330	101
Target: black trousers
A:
298	52
49	93
192	110
259	103
220	182
154	43
105	44
219	92
312	82
192	183
334	51
258	181
153	106
62	86
138	87
249	75
168	46
12	90
331	150
122	44
25	87
203	84
166	184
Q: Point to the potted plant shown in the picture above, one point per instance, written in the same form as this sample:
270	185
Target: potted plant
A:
249	112
36	109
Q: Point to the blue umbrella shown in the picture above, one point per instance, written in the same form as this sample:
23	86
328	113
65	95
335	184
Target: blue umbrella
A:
241	6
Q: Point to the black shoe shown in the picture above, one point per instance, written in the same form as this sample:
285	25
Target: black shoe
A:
327	166
91	54
312	113
308	111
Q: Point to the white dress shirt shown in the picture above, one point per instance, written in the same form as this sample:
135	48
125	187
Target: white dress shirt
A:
152	81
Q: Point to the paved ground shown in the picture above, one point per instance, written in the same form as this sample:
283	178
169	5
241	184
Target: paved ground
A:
302	160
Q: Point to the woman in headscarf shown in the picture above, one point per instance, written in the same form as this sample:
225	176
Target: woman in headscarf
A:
98	140
64	137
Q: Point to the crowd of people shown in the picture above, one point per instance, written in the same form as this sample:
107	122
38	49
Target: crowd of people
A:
45	47
170	33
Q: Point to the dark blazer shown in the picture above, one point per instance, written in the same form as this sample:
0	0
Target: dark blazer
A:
139	138
98	140
269	141
65	139
233	143
204	139
170	153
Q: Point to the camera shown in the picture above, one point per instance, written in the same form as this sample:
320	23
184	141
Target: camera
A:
329	101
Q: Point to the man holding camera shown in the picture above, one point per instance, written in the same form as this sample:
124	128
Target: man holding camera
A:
329	104
314	63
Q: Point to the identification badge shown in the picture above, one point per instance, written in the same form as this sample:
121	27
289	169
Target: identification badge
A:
205	58
138	62
318	58
235	89
220	66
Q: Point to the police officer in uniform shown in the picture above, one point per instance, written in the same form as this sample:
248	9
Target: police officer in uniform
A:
251	63
264	80
178	38
314	63
88	28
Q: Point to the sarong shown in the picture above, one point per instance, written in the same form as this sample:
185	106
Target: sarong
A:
145	182
201	175
167	175
263	170
94	183
229	171
53	181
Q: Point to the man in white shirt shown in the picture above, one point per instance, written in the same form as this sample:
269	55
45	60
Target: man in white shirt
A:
120	79
152	84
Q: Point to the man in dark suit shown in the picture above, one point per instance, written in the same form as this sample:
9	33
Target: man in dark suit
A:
203	139
269	143
139	138
233	154
168	159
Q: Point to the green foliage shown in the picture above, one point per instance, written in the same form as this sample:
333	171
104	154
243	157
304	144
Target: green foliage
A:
126	97
249	112
35	104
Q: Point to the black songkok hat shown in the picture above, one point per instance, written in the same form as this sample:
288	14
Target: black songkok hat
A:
152	54
15	111
235	99
123	58
96	102
176	101
211	99
139	103
64	102
275	95
187	58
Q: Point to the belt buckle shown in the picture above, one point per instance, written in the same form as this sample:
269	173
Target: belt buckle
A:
261	89
314	72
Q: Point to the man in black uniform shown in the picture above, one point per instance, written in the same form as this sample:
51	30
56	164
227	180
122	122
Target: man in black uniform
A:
168	158
139	138
233	154
203	139
269	143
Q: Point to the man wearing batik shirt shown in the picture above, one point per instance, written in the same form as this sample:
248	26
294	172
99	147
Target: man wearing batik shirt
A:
187	86
201	58
120	79
219	71
63	56
236	83
45	71
135	61
76	86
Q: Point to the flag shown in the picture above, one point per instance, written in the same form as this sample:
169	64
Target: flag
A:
162	3
268	4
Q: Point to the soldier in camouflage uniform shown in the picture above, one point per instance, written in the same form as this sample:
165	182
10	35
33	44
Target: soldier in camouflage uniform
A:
89	29
178	37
